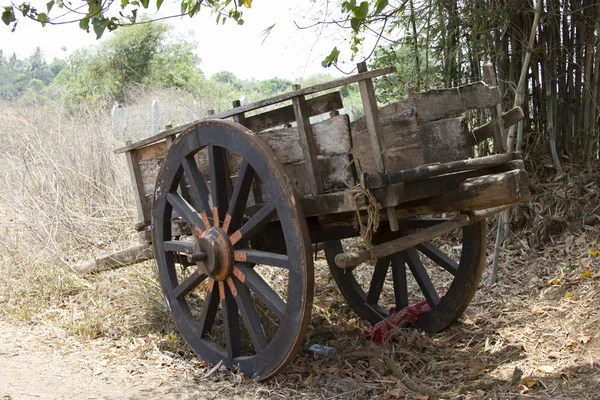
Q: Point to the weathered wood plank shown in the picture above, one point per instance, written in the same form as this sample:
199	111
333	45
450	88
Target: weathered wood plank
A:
307	143
332	137
331	170
436	142
264	103
434	105
476	193
284	115
130	256
486	130
446	140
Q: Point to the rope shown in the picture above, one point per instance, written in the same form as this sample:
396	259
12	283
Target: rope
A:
359	190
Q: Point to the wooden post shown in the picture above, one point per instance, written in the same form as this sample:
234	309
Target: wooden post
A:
139	194
489	77
367	95
307	142
241	119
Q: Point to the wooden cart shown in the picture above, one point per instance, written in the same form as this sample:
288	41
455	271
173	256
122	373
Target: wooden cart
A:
233	208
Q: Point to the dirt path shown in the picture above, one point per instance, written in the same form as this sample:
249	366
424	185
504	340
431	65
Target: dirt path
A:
39	363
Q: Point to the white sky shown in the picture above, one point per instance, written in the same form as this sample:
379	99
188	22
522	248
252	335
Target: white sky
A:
287	53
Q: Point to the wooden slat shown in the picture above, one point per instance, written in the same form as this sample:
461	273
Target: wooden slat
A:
332	137
485	131
284	115
489	77
307	142
330	169
264	103
439	104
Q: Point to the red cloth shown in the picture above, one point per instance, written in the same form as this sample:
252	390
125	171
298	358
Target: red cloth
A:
385	330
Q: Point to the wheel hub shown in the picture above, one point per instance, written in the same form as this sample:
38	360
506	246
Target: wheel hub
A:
219	252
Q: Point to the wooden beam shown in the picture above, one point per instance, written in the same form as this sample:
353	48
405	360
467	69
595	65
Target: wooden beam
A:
130	256
284	115
489	77
486	130
307	142
439	104
138	186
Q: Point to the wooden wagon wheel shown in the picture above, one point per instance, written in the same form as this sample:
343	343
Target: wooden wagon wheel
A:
227	278
363	286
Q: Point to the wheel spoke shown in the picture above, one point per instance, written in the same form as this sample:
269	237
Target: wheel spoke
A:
399	277
262	290
189	284
219	176
250	316
438	256
420	273
209	311
198	189
185	210
231	321
177	246
377	280
239	198
262	257
258	220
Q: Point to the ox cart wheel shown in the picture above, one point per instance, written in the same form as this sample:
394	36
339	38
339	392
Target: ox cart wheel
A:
225	280
445	275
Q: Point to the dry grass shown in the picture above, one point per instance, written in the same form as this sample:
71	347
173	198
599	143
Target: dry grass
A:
66	196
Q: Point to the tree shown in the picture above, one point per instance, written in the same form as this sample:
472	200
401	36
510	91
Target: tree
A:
100	15
138	55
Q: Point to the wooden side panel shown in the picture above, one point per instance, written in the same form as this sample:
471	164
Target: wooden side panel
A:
410	145
438	104
285	115
331	168
446	140
332	137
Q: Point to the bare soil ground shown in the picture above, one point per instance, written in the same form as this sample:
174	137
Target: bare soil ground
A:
533	334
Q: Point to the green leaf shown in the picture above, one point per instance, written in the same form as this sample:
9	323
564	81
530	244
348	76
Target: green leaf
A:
85	24
8	15
332	58
355	23
49	5
380	5
158	4
124	3
42	18
361	11
145	3
240	21
99	26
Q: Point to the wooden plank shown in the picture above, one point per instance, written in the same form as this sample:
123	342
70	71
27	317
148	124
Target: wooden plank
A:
130	256
331	170
436	142
489	77
476	193
485	131
446	140
264	103
332	137
434	105
367	95
307	142
156	151
284	115
427	171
